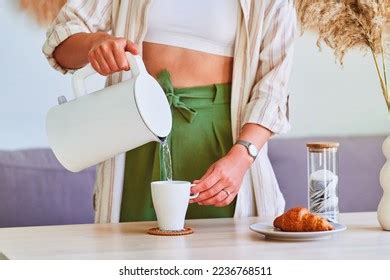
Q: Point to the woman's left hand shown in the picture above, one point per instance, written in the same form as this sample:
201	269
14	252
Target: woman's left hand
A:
222	181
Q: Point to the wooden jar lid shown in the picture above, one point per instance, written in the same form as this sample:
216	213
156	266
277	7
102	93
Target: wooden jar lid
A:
321	146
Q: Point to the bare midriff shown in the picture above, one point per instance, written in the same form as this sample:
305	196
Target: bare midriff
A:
188	68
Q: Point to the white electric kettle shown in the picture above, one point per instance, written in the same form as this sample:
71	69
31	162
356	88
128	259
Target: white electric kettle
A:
97	126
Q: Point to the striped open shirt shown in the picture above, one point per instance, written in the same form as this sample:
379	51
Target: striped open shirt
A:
263	53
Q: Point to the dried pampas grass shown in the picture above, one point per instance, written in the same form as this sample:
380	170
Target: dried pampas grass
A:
44	11
351	24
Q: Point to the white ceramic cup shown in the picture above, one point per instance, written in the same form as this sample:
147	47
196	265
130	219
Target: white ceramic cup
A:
170	201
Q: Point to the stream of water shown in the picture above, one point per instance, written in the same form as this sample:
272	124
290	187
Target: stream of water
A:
165	161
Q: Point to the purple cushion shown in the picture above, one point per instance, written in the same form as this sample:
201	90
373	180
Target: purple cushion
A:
360	161
36	190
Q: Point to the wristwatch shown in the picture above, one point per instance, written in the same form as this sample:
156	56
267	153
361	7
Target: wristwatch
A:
252	150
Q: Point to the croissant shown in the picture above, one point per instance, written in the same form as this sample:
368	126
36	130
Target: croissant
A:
300	219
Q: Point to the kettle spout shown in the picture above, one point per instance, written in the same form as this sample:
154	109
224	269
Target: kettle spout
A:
162	139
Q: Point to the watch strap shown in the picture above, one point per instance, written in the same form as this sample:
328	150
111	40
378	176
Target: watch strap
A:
243	142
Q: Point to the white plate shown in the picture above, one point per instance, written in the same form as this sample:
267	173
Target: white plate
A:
272	233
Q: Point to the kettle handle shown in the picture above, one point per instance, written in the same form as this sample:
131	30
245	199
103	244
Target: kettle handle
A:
78	80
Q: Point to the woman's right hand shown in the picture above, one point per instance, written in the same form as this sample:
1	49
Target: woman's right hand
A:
107	54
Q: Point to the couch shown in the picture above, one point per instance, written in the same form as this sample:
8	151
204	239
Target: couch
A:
36	190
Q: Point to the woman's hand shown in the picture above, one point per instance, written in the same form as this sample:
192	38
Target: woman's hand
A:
107	54
223	177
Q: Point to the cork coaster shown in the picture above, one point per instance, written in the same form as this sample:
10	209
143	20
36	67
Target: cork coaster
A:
157	231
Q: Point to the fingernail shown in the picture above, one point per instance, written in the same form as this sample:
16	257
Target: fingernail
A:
199	203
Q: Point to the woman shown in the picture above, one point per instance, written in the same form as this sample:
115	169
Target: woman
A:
224	65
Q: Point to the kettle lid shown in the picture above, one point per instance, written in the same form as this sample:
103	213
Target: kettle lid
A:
153	105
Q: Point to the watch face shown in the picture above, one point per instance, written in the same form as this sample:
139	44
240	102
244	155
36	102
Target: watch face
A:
252	150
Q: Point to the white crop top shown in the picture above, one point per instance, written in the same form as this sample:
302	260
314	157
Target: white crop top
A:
202	25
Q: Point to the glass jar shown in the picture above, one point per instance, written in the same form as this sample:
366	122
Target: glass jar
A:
322	173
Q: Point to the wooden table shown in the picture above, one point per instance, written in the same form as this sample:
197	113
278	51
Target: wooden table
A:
213	239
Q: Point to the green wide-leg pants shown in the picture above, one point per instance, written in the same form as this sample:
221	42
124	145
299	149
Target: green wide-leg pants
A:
201	134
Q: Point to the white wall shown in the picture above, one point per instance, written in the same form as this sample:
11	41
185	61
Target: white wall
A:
329	99
326	100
